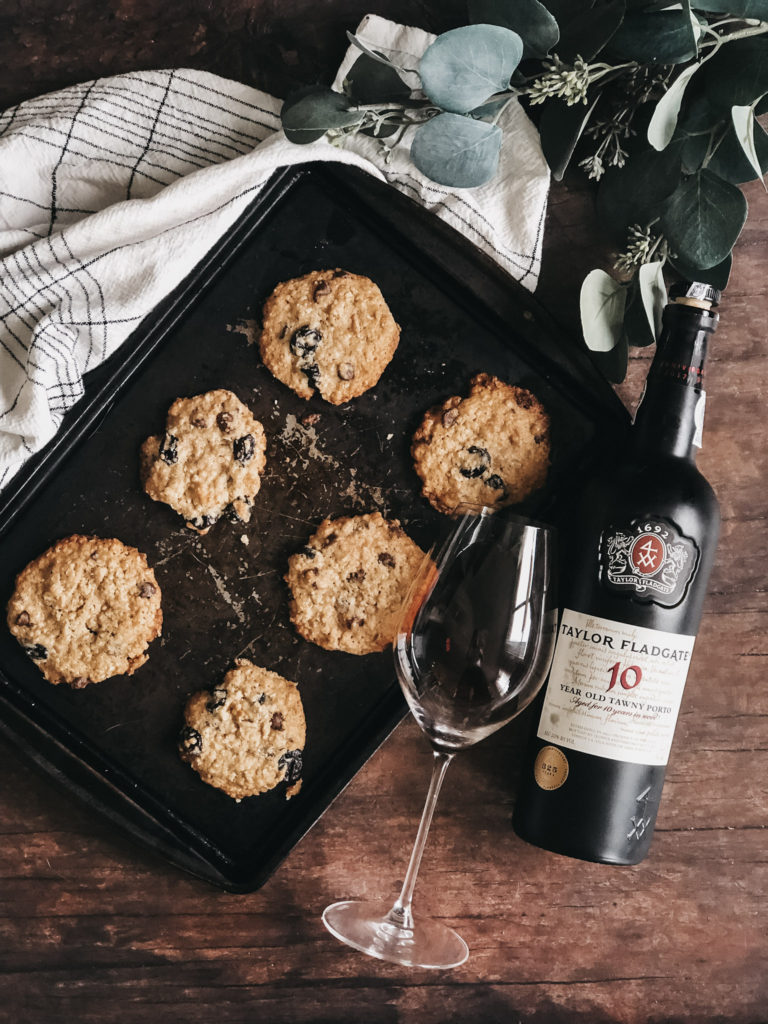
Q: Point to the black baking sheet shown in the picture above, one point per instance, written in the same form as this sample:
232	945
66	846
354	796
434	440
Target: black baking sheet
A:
223	594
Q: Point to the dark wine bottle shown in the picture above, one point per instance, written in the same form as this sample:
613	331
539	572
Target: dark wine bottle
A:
636	554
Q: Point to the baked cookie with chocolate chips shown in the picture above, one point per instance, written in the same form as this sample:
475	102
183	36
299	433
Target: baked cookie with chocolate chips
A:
329	331
247	734
491	448
86	610
349	583
209	460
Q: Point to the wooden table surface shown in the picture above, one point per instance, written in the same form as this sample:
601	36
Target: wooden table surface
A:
94	929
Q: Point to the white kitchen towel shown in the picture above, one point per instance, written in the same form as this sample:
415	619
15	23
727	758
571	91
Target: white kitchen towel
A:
112	191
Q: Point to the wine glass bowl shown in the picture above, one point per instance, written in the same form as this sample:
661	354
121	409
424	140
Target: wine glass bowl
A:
477	629
472	649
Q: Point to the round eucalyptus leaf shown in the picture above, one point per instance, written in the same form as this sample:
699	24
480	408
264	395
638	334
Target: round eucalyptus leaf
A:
309	113
457	151
661	37
702	219
730	162
465	66
739	8
602	301
560	129
633	194
530	19
585	30
737	74
370	81
717	276
661	127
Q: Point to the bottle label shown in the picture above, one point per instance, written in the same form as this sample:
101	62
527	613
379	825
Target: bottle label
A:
615	689
649	561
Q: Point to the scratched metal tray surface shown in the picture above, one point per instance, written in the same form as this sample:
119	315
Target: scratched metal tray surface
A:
223	594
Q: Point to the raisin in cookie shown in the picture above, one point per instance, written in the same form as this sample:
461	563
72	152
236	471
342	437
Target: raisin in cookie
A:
349	583
246	735
210	459
329	331
86	610
491	448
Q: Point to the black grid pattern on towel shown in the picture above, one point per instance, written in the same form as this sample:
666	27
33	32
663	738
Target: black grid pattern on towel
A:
143	131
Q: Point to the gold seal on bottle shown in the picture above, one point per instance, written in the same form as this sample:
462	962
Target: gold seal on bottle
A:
550	770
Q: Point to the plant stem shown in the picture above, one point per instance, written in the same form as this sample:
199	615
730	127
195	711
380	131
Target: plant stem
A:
744	33
714	145
502	109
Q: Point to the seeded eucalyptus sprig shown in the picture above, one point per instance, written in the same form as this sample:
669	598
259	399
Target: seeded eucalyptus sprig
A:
659	102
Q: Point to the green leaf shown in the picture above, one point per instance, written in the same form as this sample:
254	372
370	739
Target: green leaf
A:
636	329
312	111
646	299
465	66
371	81
560	129
744	127
729	161
717	276
562	10
633	194
647	6
703	218
584	33
694	130
530	19
662	37
457	151
661	127
490	110
653	294
739	8
601	304
737	74
613	364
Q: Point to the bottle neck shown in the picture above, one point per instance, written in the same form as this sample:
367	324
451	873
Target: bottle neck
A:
670	416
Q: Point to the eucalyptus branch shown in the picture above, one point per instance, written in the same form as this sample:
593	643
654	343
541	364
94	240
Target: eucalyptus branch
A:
447	106
718	40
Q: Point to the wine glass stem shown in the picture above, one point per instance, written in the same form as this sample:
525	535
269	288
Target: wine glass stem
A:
400	914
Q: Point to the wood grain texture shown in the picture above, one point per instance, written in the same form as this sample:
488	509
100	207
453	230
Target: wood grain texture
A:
93	929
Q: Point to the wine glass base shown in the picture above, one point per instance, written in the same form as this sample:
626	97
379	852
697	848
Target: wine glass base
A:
371	930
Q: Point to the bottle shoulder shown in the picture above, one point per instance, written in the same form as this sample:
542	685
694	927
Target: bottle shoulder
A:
618	510
647	480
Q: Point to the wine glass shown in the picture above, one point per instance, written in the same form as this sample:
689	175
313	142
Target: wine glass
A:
472	649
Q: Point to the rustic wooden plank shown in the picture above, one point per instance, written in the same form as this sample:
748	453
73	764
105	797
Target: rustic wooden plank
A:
95	929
